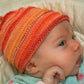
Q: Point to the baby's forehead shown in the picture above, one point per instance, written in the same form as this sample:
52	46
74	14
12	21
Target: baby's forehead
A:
60	30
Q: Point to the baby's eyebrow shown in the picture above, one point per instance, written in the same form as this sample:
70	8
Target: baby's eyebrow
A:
59	37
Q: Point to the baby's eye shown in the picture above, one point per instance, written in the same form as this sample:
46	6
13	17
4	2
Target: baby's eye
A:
73	37
62	43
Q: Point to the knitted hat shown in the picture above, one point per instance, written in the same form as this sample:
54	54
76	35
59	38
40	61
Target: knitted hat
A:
23	30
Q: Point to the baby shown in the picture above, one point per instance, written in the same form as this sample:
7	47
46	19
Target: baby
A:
41	44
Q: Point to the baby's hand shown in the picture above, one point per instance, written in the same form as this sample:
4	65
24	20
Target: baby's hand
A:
53	75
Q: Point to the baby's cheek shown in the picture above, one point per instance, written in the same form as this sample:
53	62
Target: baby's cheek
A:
68	69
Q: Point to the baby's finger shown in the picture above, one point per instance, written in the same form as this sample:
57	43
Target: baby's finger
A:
55	72
58	73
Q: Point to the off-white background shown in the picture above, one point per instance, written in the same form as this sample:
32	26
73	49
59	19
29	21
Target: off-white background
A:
73	8
8	5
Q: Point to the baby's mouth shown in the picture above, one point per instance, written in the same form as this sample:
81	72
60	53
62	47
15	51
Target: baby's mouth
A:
78	63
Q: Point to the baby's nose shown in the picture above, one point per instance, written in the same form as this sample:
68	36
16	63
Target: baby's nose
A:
75	45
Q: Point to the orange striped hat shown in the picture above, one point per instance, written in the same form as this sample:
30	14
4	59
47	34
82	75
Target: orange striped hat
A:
23	30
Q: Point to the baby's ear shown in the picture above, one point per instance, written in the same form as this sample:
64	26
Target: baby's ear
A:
32	67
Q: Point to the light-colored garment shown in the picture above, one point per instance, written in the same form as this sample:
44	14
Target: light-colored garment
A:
26	79
23	79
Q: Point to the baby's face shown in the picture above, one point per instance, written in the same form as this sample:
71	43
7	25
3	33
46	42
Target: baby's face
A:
60	49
